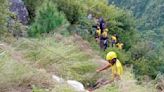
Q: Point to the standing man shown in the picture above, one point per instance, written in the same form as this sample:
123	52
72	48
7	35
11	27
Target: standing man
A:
113	40
102	24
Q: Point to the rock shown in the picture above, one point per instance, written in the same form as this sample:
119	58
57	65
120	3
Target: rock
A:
18	7
58	79
1	44
77	86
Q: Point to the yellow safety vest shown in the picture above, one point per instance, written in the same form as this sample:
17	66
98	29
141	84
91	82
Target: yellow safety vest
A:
98	32
105	34
119	45
117	68
114	38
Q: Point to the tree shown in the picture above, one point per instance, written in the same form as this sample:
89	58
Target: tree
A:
32	6
4	15
47	19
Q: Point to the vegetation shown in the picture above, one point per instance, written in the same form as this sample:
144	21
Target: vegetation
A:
4	12
147	50
59	28
73	9
32	8
37	59
47	19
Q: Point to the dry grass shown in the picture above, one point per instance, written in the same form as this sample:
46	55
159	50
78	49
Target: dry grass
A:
127	84
32	61
28	64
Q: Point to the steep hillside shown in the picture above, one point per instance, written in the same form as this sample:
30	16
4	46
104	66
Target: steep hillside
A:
150	25
31	69
59	44
148	12
23	69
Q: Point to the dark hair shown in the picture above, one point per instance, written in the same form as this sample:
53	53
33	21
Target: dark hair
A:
113	61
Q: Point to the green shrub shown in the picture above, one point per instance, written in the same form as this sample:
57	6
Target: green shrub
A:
14	74
118	21
62	88
147	57
4	12
32	6
72	9
63	57
47	19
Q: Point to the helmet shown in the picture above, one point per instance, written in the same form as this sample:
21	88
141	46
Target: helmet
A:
111	55
106	30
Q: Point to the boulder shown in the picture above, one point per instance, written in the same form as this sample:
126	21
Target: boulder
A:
20	10
58	79
77	86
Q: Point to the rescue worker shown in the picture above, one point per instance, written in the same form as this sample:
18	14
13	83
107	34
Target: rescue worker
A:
113	40
115	64
119	45
104	39
117	70
97	34
102	24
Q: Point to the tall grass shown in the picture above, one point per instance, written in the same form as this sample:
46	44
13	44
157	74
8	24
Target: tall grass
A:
16	74
62	58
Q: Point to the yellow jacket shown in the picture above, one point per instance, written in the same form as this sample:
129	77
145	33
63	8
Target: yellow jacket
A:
120	45
98	32
117	68
105	33
114	38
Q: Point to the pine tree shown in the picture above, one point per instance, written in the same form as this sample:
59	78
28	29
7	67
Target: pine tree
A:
47	19
4	15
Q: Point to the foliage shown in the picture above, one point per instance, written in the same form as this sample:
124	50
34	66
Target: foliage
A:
14	74
148	12
37	89
47	19
108	88
146	50
147	55
127	83
52	54
32	6
72	9
62	88
4	15
118	21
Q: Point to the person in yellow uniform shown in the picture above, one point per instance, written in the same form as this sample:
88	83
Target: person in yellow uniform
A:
98	33
104	39
115	64
117	70
105	33
120	45
113	40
